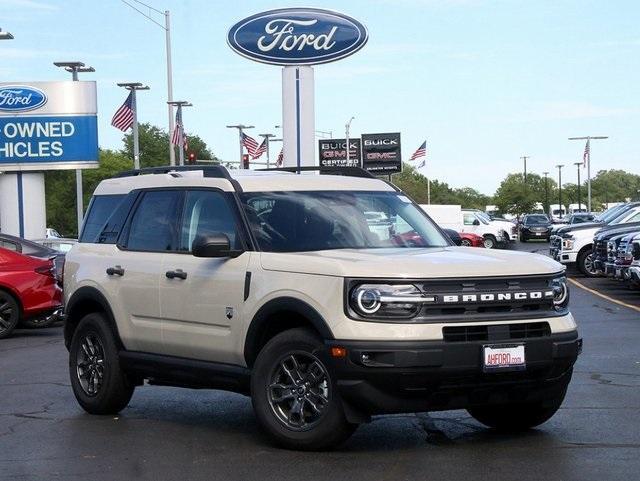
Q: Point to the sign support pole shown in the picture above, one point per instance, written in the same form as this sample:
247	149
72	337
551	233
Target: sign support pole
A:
298	116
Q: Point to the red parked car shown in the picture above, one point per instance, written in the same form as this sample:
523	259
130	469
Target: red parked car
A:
471	240
28	290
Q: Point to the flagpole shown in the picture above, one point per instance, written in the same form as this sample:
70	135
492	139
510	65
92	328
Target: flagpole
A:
589	138
136	143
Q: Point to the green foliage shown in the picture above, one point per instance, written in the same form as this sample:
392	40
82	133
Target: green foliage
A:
613	186
514	197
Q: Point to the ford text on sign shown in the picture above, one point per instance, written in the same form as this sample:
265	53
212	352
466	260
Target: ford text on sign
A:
20	98
297	36
48	139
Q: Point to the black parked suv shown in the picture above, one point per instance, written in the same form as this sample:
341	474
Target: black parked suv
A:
535	226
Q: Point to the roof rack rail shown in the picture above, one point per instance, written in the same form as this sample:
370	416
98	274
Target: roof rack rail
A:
347	171
217	171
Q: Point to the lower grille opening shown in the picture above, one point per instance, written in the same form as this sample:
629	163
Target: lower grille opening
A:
496	333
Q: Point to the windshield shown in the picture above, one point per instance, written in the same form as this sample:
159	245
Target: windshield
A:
320	220
624	217
536	219
611	213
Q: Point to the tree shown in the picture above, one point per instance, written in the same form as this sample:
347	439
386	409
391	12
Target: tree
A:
613	186
154	146
516	198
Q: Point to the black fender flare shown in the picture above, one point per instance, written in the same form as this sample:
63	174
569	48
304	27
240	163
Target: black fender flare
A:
93	295
281	304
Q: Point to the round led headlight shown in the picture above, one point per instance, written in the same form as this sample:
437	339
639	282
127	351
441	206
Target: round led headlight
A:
368	300
382	301
560	290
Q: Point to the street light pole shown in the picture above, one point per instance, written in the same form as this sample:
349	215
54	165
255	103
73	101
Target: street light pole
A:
267	138
560	166
74	68
524	158
179	104
578	165
241	128
587	153
133	87
546	192
347	126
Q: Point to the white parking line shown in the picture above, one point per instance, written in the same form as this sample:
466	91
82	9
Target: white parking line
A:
604	296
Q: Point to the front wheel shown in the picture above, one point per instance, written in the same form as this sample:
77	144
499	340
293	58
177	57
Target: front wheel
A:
294	393
585	263
9	314
465	243
97	380
489	242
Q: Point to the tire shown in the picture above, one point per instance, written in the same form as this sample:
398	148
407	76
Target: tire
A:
98	382
295	360
584	262
519	416
465	243
9	314
490	242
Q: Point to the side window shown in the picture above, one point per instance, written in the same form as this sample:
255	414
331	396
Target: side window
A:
114	224
154	225
207	212
9	245
100	209
468	219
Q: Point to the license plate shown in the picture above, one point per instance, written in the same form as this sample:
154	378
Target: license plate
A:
503	357
538	233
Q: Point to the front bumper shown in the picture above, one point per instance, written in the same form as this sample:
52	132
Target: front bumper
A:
634	273
400	376
564	257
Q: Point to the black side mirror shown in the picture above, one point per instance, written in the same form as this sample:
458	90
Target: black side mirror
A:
476	222
636	250
213	245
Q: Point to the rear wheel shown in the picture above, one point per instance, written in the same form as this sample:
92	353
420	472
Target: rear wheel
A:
294	393
9	314
585	262
98	382
489	241
465	243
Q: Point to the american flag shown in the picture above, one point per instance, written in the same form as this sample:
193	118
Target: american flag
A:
262	148
587	152
421	152
280	159
250	144
123	118
179	137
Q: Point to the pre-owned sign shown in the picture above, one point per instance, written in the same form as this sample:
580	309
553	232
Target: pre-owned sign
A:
48	125
333	152
381	153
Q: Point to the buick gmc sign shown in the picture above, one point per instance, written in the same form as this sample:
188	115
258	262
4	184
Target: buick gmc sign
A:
19	98
297	36
381	153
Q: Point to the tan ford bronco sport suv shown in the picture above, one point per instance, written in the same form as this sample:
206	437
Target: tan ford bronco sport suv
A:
278	286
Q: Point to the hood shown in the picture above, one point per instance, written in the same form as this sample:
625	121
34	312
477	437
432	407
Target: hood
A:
572	228
610	231
444	262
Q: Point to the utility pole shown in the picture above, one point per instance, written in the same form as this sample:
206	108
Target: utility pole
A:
133	87
587	159
179	104
241	128
578	165
267	138
167	31
524	158
74	68
347	126
560	166
546	192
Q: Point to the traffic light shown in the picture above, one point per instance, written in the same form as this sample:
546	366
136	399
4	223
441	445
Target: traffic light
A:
245	161
192	158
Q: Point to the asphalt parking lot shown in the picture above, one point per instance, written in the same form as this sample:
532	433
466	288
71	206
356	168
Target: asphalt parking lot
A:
174	434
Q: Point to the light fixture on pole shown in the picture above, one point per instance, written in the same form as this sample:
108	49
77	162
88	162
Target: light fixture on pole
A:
524	158
578	164
167	30
267	140
133	87
347	127
73	68
5	35
560	166
241	128
546	192
587	159
179	104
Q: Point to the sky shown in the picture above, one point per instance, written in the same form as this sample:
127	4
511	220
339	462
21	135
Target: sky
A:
483	81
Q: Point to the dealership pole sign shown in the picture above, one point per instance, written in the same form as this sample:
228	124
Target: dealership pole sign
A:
297	39
48	125
381	153
333	152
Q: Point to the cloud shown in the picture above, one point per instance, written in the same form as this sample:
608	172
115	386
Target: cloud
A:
28	4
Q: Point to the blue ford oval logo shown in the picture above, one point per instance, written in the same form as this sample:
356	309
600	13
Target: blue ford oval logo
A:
19	98
297	36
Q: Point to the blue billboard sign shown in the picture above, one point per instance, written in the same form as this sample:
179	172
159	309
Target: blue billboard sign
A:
297	36
48	139
20	98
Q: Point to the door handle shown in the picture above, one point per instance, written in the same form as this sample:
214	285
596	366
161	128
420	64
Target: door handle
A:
115	271
178	273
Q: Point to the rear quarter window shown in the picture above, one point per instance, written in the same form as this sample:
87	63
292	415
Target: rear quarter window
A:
100	210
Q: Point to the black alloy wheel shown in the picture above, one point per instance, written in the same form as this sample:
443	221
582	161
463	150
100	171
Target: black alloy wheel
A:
9	314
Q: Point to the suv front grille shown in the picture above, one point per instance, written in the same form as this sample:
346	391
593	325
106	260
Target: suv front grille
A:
600	249
500	332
